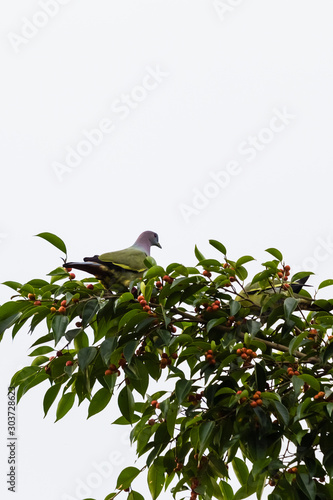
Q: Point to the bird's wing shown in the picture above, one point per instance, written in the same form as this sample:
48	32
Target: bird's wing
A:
129	258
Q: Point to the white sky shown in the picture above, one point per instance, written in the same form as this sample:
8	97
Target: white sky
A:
240	93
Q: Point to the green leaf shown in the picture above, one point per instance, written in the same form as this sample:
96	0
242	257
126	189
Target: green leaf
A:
276	253
41	350
244	260
216	244
99	401
240	470
226	490
126	477
154	272
289	305
134	495
312	381
107	347
15	285
214	322
126	403
234	307
89	311
130	349
23	375
296	341
198	254
155	479
171	417
54	240
325	283
282	412
183	387
59	325
65	404
50	396
85	356
205	433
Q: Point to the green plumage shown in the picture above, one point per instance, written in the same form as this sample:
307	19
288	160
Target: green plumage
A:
122	266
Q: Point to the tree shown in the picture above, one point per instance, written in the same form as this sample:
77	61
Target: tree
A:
250	368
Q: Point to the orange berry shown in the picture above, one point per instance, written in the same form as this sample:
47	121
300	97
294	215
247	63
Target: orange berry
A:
254	354
154	402
215	307
141	297
280	275
244	356
253	404
209	356
53	309
71	276
286	286
31	296
68	269
62	309
209	351
259	402
63	303
206	273
287	268
108	372
217	302
146	308
37	303
212	361
239	352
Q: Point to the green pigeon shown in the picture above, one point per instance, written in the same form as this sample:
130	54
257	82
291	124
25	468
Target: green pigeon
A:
122	266
254	296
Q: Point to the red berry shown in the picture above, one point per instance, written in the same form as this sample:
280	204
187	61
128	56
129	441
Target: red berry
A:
287	268
71	276
90	286
174	355
62	309
108	372
78	324
206	273
69	362
37	303
63	303
68	269
141	297
154	402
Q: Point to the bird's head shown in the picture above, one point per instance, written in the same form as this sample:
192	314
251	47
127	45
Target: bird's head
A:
146	240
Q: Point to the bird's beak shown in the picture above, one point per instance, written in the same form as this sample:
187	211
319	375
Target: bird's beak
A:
158	245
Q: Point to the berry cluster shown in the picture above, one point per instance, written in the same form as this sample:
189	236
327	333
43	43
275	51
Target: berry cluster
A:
246	354
165	360
155	404
292	470
283	274
210	358
194	398
194	484
206	273
159	285
168	279
214	306
256	399
320	395
292	370
144	304
114	369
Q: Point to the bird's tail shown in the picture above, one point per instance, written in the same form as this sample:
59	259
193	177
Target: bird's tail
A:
298	285
89	267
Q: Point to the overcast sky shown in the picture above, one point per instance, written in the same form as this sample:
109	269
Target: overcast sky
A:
193	118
